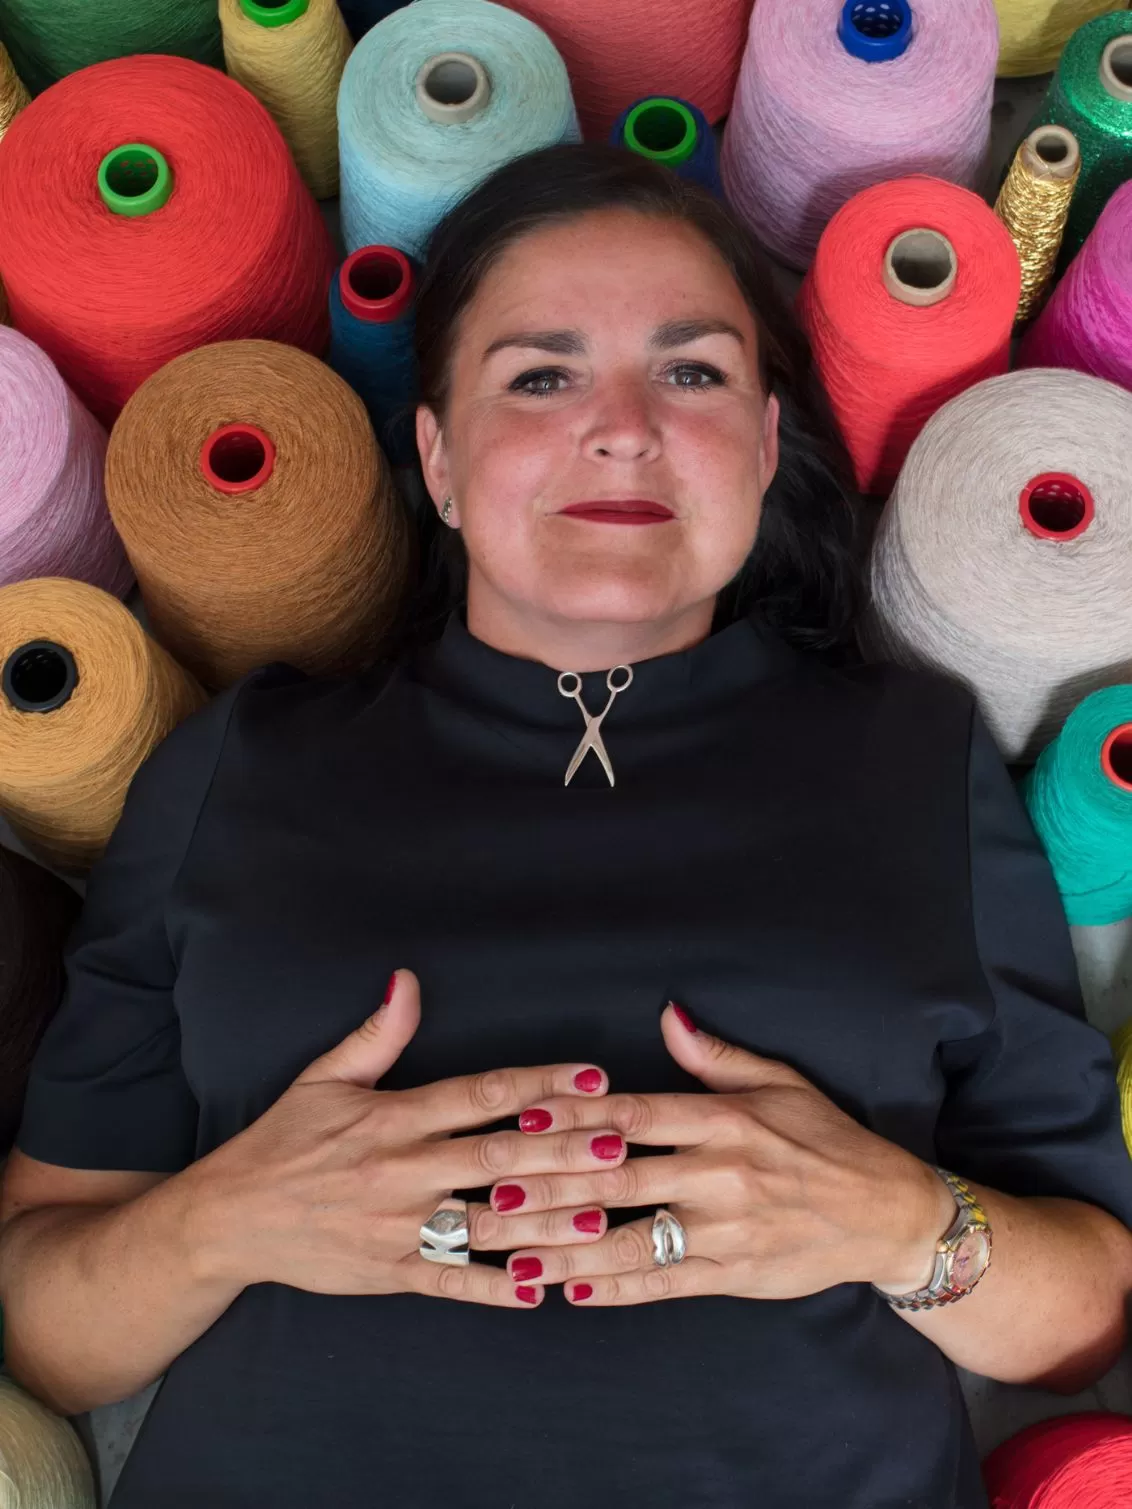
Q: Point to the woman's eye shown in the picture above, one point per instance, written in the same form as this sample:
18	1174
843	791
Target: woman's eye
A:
694	375
540	384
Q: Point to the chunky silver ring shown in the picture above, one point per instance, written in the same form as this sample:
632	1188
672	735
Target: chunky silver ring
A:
669	1239
444	1236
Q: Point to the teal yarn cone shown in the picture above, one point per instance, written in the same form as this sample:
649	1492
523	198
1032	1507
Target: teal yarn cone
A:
1079	795
371	343
433	100
51	38
1091	95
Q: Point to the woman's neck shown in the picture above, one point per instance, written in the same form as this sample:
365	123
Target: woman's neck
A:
582	644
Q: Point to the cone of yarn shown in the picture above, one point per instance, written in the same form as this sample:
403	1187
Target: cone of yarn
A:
433	100
1001	558
258	513
36	914
1032	33
1080	799
1087	323
115	261
85	695
1091	95
290	54
42	1461
1122	1053
673	132
49	41
1034	206
1081	1461
830	101
13	95
53	518
911	298
371	342
619	53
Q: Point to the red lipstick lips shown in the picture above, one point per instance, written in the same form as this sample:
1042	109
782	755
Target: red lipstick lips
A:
620	511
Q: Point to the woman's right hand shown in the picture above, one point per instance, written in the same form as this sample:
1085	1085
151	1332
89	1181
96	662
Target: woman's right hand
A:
328	1189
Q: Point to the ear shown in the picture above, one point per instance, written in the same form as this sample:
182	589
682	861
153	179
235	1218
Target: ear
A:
770	440
434	455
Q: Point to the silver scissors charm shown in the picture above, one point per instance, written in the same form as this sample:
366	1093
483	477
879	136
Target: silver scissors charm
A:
592	739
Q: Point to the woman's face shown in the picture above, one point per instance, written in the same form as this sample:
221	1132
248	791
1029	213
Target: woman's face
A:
612	357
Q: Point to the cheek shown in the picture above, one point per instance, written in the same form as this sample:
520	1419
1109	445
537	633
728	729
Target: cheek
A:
510	453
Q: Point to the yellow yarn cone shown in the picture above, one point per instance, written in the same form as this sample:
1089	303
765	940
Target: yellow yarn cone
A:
290	54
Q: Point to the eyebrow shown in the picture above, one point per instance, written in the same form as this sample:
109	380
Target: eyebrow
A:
572	343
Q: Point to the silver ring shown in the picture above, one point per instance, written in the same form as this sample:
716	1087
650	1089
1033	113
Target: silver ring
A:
444	1236
669	1239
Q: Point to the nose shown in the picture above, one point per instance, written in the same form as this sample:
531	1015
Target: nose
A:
622	425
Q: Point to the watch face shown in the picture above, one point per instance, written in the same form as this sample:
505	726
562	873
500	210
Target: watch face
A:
970	1259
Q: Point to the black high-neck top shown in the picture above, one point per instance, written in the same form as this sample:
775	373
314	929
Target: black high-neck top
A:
827	867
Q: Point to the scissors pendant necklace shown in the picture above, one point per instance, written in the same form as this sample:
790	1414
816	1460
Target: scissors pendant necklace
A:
570	685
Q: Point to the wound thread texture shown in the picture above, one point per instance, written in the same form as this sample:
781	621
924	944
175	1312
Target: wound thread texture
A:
1034	206
888	365
1033	33
1031	621
309	565
53	518
294	70
402	170
1081	1461
1083	814
13	95
619	53
1087	323
239	249
43	1464
64	773
812	124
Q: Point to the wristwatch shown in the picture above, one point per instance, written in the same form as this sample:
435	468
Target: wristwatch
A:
962	1254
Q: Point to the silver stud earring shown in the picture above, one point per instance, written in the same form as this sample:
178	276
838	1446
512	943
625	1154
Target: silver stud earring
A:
446	509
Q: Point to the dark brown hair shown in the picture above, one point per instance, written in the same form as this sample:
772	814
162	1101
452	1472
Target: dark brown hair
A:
801	572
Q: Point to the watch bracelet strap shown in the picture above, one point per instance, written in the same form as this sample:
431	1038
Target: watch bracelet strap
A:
968	1213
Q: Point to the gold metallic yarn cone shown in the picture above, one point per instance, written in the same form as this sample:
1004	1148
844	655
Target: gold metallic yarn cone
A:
1122	1052
258	512
294	70
65	766
13	95
1034	207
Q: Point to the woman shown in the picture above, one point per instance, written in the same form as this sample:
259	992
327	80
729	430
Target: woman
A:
750	943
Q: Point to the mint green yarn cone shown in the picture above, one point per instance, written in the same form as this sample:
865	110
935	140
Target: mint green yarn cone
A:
1079	795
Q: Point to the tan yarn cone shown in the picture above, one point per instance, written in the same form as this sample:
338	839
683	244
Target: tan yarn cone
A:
42	1461
13	95
309	564
295	71
64	772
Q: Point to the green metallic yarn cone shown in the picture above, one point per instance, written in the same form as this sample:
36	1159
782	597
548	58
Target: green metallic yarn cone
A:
1079	796
51	38
1102	124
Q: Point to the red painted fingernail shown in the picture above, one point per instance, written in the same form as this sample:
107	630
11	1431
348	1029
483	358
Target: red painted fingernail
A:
581	1291
588	1220
588	1080
528	1295
389	988
509	1197
535	1121
607	1146
683	1018
525	1267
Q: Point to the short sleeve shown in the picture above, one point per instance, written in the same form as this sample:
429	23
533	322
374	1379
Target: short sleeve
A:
106	1089
1031	1104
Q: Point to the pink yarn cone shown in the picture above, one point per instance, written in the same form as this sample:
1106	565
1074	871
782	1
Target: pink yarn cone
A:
1087	323
53	518
812	125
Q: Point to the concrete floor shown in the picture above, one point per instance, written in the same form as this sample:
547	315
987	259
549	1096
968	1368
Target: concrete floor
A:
1105	960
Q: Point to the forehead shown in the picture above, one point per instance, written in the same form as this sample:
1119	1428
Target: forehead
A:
609	264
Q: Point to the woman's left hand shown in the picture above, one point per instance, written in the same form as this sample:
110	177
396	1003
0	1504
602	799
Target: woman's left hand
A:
780	1193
